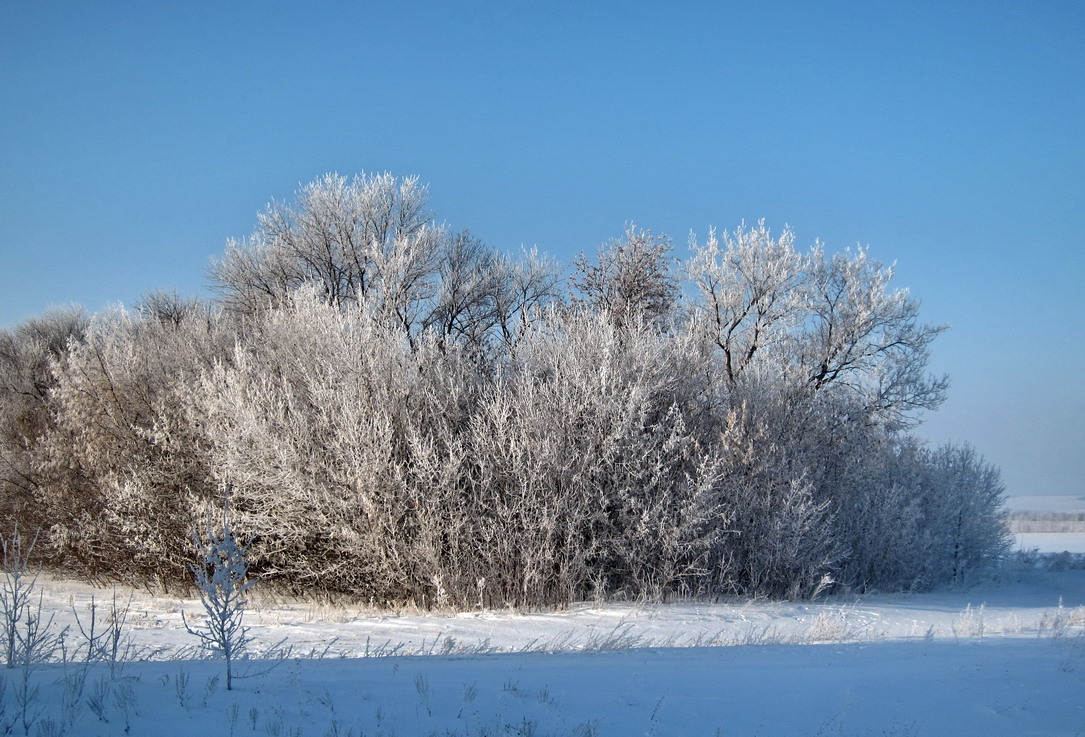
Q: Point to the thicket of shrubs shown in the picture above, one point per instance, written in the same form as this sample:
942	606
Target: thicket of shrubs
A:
407	416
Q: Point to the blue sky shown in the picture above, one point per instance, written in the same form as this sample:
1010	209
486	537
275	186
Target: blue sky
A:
949	137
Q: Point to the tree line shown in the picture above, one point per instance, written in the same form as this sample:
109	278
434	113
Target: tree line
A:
409	416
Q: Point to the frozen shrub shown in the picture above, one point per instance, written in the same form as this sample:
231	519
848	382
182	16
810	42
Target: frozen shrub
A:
121	472
411	417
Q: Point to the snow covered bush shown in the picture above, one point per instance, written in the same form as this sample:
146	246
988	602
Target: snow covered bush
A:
413	418
27	353
121	473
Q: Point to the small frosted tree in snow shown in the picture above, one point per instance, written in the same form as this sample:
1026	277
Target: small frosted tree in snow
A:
222	580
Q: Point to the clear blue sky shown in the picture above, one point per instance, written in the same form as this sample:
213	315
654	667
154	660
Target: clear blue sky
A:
949	137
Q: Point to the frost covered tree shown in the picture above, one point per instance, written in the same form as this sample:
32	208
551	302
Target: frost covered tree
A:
372	240
866	338
631	279
751	296
27	354
817	322
222	582
367	237
966	512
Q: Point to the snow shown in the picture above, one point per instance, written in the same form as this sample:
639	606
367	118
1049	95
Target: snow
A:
1051	542
1003	658
990	687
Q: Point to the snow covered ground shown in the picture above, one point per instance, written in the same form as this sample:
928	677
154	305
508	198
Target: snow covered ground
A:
1004	658
1049	542
991	686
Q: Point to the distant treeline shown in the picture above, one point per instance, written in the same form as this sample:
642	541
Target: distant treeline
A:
406	415
1030	521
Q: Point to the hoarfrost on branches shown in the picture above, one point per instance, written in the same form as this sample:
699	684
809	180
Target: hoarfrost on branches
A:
222	581
412	417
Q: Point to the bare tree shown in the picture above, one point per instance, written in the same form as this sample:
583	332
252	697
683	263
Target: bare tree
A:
486	297
171	308
529	285
465	309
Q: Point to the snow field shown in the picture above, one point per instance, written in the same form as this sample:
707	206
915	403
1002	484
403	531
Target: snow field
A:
989	687
1051	542
1069	537
1004	658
